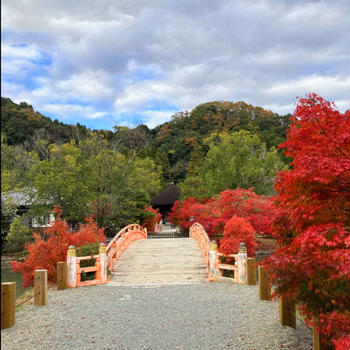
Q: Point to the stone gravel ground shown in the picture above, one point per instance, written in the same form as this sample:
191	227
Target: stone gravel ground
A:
198	316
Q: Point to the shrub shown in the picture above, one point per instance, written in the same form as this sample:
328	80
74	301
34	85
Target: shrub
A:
237	230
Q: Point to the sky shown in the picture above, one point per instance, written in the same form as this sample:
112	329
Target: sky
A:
126	62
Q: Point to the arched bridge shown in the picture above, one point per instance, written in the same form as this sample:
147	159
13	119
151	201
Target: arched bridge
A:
134	259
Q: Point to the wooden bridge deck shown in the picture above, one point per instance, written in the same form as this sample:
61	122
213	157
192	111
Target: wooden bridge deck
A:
161	261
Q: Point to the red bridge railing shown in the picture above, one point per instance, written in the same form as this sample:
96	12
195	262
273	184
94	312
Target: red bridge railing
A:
198	232
212	258
121	242
107	258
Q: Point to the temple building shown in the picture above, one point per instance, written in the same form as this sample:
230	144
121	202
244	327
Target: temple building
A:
165	200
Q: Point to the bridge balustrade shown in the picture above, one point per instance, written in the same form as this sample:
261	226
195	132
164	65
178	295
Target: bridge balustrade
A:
228	267
121	242
107	257
243	268
198	232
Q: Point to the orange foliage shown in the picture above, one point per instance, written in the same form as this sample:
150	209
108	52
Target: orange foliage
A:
45	254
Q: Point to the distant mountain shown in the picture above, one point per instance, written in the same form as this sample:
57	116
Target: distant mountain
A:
177	146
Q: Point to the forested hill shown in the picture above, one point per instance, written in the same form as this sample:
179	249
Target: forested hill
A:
20	123
185	138
177	146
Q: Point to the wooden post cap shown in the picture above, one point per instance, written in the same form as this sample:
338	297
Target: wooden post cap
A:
71	251
213	245
102	248
242	248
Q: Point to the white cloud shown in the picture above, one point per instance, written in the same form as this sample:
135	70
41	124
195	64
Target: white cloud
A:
70	111
90	85
326	86
19	60
30	52
131	57
153	118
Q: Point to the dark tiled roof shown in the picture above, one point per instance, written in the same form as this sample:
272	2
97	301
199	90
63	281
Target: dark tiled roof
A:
167	196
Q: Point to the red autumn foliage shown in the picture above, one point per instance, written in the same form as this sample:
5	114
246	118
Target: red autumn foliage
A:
258	210
150	222
313	263
45	254
174	214
189	212
214	213
237	230
342	343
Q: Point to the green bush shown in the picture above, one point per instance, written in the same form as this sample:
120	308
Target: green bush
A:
18	236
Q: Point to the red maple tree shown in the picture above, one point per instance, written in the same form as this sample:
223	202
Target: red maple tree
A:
312	225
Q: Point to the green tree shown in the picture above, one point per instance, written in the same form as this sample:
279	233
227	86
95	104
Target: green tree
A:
62	180
18	236
193	186
15	165
8	214
237	160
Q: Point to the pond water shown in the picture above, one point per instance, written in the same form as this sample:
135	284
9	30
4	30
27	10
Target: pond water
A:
8	276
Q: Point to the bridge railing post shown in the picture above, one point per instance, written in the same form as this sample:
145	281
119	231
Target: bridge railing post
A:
103	263
213	262
72	267
115	255
242	263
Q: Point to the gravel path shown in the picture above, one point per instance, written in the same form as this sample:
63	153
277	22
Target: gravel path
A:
198	316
